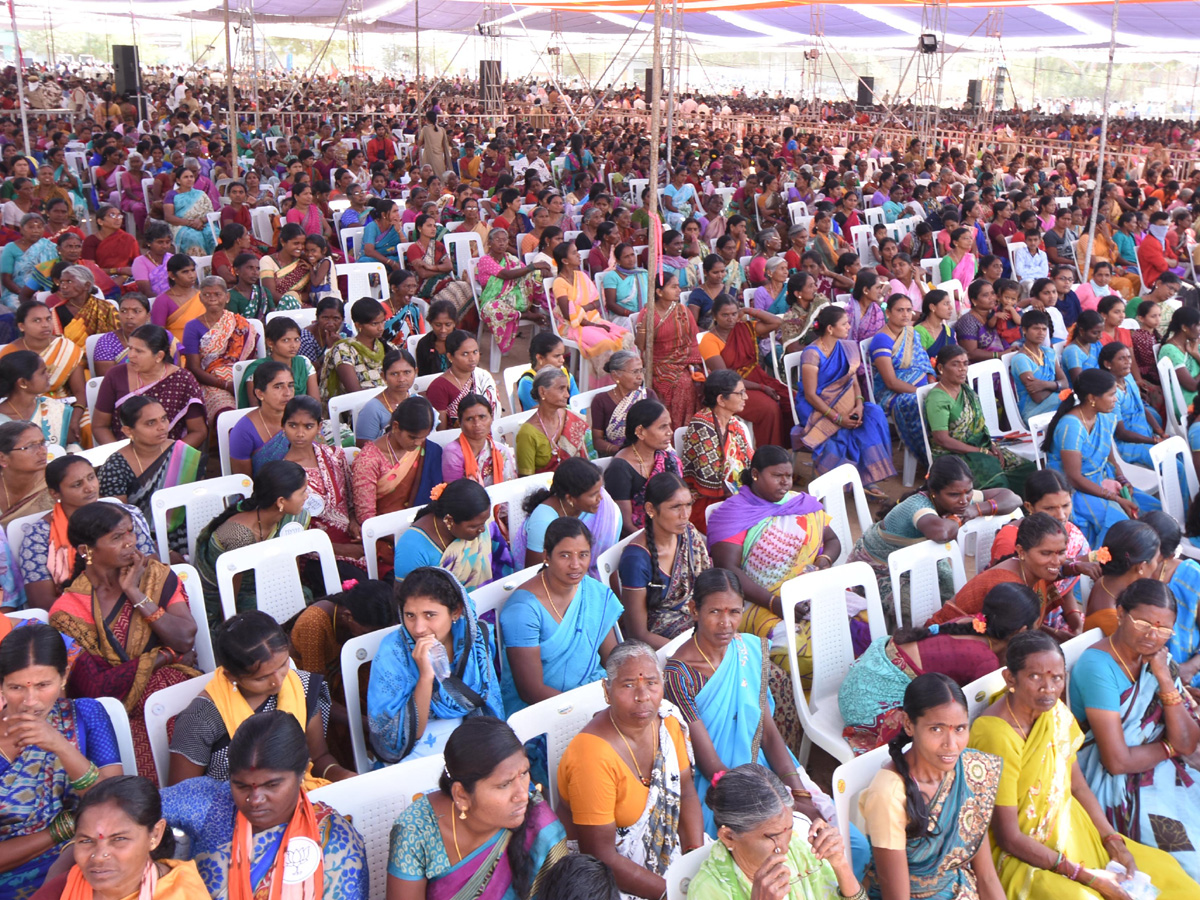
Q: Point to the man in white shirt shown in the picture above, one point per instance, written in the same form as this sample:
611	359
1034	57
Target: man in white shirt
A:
1030	262
688	106
530	161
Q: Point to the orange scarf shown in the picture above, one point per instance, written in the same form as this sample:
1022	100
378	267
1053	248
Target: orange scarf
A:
471	464
61	562
298	872
181	883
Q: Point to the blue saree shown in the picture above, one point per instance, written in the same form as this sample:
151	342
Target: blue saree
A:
1021	363
471	689
570	649
939	862
912	366
1075	357
1159	807
387	243
188	205
1093	515
869	446
1185	641
1132	411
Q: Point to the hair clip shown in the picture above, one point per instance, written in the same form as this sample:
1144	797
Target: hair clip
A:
717	777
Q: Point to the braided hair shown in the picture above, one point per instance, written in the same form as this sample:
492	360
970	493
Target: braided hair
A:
925	692
659	490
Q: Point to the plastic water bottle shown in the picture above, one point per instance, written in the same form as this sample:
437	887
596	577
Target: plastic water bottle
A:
1139	887
439	661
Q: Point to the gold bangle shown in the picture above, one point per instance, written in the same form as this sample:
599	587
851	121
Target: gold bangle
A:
87	779
325	771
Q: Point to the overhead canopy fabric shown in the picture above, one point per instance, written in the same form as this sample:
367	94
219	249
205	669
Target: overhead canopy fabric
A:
1160	26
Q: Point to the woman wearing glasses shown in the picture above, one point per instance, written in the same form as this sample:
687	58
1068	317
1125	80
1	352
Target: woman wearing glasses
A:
22	472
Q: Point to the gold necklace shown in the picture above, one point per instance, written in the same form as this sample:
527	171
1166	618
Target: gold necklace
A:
641	462
454	831
1124	667
700	650
438	531
1039	359
1013	716
546	588
642	778
141	465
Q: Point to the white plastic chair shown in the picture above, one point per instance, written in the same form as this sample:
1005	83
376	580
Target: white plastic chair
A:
1037	431
92	392
98	454
669	649
506	428
18	528
378	527
463	246
920	562
581	403
358	280
54	451
830	489
1139	476
1073	649
189	580
278	590
161	707
1167	456
201	501
980	376
373	800
512	494
607	563
120	723
850	779
979	693
832	650
510	376
39	615
560	718
977	536
792	361
239	376
357	652
680	873
90	348
203	266
225	423
302	317
352	403
1169	380
260	222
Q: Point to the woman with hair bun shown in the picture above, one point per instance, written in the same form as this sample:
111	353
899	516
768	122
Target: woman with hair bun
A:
1132	551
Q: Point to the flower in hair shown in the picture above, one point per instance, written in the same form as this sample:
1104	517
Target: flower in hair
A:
717	776
1101	555
1065	394
979	623
349	583
436	491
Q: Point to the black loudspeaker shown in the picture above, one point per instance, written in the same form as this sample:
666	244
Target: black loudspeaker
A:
975	93
866	91
126	69
1001	86
489	74
653	87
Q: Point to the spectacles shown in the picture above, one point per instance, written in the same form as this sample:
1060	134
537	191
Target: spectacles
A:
1160	630
742	393
34	446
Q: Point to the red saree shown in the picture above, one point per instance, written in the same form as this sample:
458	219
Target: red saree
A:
765	415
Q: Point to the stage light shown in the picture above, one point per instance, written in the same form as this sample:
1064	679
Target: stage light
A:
928	43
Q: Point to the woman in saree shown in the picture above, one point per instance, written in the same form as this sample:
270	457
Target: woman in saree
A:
1080	444
278	498
180	303
128	613
150	269
383	233
559	625
400	468
462	378
545	349
151	461
717	446
499	855
241	847
956	426
354	364
977	330
65	361
836	424
122	848
1129	699
78	312
408	317
916	849
767	534
52	751
576	490
1036	368
648	450
22	255
149	372
625	784
762	851
610	410
477	454
553	433
718	679
506	290
133	198
871	696
63	175
427	256
307	214
112	248
284	275
1138	428
901	365
212	343
330	501
866	314
825	243
455	531
1051	836
679	199
185	209
577	306
732	343
24	383
959	262
625	287
283	340
936	513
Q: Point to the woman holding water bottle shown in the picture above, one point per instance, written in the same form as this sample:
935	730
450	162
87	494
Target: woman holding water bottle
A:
432	672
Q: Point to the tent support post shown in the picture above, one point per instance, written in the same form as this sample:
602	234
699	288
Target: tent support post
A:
1112	50
417	31
231	115
12	12
652	239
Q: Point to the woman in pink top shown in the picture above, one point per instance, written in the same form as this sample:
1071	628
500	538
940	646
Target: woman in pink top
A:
906	280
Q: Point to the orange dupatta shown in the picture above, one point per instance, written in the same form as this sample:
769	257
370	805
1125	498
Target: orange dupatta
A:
192	309
301	843
61	562
183	882
471	463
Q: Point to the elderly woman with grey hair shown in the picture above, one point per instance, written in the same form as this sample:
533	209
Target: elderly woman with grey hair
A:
760	853
553	433
80	313
213	342
610	409
507	290
625	785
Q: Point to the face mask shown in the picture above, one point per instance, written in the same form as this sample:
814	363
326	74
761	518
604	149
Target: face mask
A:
1159	231
1100	291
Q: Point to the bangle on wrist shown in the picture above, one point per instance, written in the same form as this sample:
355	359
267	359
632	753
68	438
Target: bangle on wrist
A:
154	616
87	779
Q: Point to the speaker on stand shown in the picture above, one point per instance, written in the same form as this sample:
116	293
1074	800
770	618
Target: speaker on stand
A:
127	75
866	92
489	84
975	93
653	87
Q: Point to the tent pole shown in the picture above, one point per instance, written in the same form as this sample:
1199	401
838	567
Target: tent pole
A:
417	26
12	11
672	59
1112	49
655	130
231	117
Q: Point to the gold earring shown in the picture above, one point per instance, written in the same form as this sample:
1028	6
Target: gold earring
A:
462	813
87	556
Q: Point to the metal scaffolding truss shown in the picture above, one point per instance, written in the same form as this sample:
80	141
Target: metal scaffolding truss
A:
928	96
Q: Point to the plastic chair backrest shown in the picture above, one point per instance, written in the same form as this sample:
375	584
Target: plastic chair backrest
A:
357	652
792	361
609	561
510	376
922	395
374	799
101	452
456	244
1169	380
977	536
351	403
120	723
358	280
830	489
90	345
681	872
239	376
560	718
189	580
581	403
225	423
849	780
920	563
506	428
18	528
512	494
979	693
387	525
162	706
278	589
92	392
667	650
39	615
864	349
201	501
302	317
679	435
1167	456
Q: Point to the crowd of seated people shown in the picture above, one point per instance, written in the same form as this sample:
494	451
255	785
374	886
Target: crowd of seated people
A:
664	517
